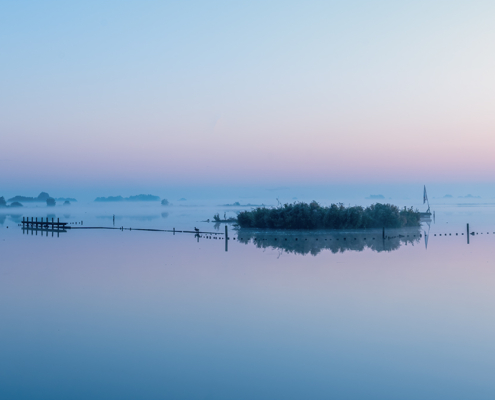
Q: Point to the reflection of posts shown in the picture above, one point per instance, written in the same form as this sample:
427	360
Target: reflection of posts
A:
226	238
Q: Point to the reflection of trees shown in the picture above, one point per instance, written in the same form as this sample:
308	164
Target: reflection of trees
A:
13	217
313	242
16	217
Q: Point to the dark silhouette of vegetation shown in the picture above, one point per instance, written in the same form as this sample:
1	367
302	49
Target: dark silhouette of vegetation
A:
237	204
165	202
143	197
41	198
3	203
66	203
217	218
336	216
139	197
109	199
69	199
16	204
297	242
50	202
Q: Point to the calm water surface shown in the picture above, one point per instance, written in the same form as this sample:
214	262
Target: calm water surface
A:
106	314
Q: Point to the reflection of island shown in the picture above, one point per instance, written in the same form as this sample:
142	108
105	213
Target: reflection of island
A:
14	217
139	197
313	242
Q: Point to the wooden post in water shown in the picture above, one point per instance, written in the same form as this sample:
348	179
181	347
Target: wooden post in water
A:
383	233
174	231
467	228
226	238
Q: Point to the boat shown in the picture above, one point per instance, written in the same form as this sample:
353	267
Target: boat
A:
426	214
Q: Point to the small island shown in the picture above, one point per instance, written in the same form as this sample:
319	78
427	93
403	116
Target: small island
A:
139	197
238	204
217	219
335	216
42	197
3	203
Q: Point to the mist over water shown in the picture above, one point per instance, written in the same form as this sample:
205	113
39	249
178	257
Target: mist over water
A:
118	314
214	108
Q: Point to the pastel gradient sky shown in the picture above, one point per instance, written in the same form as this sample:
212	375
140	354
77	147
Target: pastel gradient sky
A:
142	94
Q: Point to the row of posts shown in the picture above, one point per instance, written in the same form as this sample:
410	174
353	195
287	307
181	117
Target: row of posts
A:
35	222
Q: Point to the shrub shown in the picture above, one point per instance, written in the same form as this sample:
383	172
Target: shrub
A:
336	216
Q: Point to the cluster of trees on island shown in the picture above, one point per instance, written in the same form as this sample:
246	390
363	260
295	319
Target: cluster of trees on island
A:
139	197
335	216
43	197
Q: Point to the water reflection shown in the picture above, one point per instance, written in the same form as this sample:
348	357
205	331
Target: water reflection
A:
43	231
130	217
313	242
13	217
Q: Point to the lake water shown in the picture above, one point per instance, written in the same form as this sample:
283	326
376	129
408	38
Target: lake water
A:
111	314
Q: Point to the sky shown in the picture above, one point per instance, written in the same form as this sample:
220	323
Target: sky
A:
120	97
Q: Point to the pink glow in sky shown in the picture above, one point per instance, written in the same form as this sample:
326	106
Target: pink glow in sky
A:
278	93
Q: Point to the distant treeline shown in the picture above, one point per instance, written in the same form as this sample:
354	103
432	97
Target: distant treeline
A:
42	197
139	197
336	216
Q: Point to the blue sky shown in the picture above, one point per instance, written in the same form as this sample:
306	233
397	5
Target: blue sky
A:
134	94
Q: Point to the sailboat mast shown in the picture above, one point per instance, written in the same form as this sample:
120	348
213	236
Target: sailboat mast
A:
425	199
